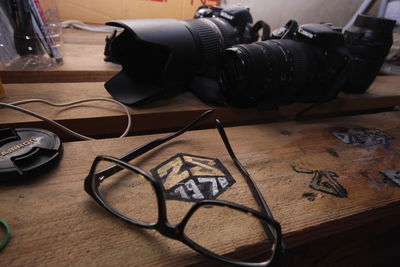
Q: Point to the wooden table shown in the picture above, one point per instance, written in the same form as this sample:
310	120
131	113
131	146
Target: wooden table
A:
54	222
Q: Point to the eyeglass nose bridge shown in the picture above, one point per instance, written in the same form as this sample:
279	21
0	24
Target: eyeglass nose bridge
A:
171	231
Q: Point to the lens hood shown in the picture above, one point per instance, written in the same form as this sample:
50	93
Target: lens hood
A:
155	54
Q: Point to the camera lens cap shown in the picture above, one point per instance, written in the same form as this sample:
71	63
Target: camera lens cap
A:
26	152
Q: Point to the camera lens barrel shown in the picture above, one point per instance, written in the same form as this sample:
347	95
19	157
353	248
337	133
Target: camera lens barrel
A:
165	54
369	40
211	36
269	73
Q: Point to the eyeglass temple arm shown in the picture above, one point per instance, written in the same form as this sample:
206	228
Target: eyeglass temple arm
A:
271	232
249	179
151	145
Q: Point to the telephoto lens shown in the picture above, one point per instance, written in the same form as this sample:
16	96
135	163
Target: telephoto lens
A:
369	40
308	65
163	54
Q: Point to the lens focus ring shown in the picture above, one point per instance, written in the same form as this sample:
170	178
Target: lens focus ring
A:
209	40
229	34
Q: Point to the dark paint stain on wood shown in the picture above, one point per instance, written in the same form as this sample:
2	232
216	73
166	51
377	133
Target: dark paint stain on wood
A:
364	173
363	136
324	181
286	132
309	196
391	175
333	152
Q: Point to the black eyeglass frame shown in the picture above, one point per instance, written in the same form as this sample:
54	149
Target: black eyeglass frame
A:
272	227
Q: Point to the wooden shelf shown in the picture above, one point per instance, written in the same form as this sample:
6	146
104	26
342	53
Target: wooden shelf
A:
103	118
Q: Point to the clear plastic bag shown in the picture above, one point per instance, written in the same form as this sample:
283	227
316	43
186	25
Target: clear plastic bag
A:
30	34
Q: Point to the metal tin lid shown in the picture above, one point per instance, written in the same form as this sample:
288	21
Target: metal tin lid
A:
26	152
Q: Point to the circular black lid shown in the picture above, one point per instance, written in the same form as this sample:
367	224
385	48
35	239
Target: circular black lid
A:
26	152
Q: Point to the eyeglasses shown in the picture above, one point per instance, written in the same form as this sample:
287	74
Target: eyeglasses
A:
131	194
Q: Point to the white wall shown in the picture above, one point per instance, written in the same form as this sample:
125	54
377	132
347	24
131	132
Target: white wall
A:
277	12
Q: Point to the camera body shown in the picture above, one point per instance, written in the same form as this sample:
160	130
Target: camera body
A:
238	16
304	63
332	61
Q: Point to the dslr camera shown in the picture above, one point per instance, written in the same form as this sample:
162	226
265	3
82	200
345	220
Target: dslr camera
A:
159	55
310	63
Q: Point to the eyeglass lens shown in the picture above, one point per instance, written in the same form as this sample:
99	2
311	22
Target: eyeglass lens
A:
224	230
129	193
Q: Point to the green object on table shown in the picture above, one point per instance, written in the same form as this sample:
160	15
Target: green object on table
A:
7	236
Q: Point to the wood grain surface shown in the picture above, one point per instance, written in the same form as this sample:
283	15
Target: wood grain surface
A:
103	118
56	223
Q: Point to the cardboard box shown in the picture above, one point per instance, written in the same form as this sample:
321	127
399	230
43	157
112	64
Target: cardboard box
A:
101	11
